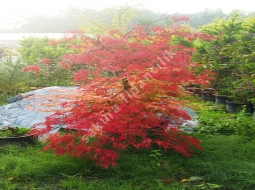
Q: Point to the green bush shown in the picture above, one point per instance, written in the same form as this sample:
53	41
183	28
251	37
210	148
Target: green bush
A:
44	53
13	132
231	56
12	79
214	122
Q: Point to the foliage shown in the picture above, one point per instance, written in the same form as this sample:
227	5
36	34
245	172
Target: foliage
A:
216	121
183	41
130	95
11	76
242	56
33	49
232	57
4	97
42	57
209	54
205	17
13	131
196	182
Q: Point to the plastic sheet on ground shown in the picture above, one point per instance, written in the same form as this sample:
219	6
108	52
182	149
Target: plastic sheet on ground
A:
33	107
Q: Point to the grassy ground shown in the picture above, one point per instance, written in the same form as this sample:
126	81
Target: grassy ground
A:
227	161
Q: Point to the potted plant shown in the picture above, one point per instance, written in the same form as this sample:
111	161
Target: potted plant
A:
252	100
242	80
232	57
15	135
208	94
241	97
221	99
222	96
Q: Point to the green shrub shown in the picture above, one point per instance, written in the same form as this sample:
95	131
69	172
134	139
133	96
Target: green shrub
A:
45	54
12	79
13	132
214	122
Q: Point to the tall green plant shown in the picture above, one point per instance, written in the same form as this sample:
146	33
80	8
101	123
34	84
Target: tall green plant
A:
243	58
209	53
12	79
44	54
231	56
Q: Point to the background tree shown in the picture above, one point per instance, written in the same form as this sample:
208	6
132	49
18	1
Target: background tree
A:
205	17
231	56
42	56
242	85
111	18
11	76
96	22
210	54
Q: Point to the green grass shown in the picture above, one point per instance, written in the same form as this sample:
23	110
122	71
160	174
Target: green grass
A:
227	161
216	120
12	132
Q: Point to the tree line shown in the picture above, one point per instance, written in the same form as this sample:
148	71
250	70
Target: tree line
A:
89	19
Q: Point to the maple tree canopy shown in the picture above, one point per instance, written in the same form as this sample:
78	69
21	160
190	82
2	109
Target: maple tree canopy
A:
130	94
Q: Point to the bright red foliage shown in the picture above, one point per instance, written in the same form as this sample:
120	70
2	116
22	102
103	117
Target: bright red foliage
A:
54	42
130	97
81	75
32	68
45	60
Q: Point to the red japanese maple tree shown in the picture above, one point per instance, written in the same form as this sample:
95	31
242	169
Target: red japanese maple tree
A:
130	95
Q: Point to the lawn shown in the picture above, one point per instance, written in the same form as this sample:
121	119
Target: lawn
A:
227	162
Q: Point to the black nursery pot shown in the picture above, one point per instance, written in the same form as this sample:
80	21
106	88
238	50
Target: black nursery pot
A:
208	96
235	107
21	140
221	99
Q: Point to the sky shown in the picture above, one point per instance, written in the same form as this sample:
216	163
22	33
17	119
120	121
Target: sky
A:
12	11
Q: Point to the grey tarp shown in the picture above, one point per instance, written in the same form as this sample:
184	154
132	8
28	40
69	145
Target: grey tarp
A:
30	108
